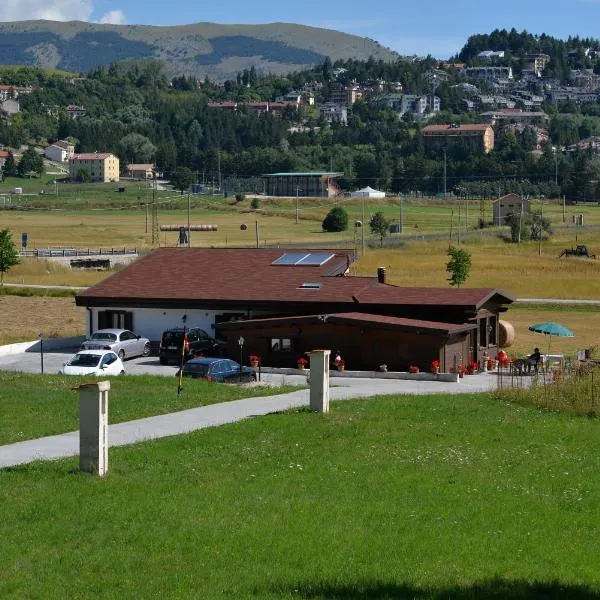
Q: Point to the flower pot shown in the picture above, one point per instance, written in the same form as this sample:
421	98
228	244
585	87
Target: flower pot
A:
254	363
301	366
435	370
341	367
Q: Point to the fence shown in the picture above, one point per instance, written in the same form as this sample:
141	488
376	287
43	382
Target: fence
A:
64	252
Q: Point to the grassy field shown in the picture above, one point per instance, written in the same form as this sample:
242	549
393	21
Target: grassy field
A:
406	497
38	405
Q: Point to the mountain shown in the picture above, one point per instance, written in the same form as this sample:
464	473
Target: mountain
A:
218	51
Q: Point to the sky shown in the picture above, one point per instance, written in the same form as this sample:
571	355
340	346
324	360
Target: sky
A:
439	28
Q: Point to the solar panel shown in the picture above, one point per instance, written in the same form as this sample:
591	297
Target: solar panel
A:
315	259
290	259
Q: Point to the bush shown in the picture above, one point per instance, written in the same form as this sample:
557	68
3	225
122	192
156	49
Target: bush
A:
240	197
336	220
255	203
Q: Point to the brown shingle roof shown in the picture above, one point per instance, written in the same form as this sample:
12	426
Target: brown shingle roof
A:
387	322
247	275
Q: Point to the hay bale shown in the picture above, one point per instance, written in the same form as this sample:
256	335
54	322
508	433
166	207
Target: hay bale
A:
506	334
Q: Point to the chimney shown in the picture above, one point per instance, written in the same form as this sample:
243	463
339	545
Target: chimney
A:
380	274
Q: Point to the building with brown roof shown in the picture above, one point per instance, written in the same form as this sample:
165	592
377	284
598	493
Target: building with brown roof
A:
285	302
479	135
140	171
100	166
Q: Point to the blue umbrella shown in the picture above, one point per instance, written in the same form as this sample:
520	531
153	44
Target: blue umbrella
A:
551	329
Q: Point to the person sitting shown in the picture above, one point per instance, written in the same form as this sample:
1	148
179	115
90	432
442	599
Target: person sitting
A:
534	360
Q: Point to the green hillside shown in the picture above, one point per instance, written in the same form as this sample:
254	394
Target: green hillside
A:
219	51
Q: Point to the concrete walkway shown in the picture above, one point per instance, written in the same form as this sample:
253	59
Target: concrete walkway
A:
131	432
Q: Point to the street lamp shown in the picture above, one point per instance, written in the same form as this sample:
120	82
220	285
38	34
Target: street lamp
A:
241	341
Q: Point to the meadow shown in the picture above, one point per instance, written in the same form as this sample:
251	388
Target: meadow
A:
438	497
27	413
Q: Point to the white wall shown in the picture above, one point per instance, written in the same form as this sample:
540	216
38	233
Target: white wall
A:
55	153
151	322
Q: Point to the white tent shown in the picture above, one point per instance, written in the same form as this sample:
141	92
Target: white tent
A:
368	192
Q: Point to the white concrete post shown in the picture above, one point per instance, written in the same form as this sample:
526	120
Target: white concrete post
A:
93	427
319	380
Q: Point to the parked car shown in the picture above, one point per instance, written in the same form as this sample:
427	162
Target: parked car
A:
223	370
122	341
174	343
94	362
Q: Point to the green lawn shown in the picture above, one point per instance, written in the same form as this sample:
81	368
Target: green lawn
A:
34	406
458	497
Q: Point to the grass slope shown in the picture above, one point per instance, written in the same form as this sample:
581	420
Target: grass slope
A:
38	405
405	497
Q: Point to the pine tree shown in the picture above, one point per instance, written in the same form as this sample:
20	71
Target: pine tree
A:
10	166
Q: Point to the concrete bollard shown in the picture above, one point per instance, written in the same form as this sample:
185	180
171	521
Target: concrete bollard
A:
93	427
319	380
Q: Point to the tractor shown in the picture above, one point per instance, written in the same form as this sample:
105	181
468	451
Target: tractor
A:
580	250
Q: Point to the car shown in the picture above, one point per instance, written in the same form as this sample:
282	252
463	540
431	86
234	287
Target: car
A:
122	341
186	343
223	370
94	362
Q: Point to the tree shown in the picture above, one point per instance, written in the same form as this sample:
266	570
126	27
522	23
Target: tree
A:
9	257
459	265
30	162
379	226
10	166
136	148
336	220
182	178
83	175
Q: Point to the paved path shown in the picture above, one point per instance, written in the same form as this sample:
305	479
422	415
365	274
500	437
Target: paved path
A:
131	432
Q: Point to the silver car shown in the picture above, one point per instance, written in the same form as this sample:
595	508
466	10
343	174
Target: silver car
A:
123	342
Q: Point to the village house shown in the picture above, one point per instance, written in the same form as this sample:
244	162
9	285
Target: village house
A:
480	136
511	203
100	166
140	171
287	302
60	151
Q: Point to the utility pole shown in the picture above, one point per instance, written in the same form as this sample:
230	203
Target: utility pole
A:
297	204
564	213
541	228
520	221
445	180
155	232
401	230
189	232
458	228
257	236
451	226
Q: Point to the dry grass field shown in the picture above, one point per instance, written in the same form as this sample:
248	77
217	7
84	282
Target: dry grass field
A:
518	269
25	319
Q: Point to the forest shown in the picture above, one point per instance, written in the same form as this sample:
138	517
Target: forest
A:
135	110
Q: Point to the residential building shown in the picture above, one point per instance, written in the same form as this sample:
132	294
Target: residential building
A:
515	115
140	171
74	111
491	55
488	73
310	184
344	94
13	91
3	157
585	79
101	166
536	62
334	112
60	151
287	302
572	94
483	101
480	136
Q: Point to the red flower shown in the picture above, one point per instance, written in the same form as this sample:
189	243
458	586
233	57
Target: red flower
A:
302	361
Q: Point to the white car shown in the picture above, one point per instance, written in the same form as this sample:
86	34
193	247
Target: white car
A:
94	362
123	342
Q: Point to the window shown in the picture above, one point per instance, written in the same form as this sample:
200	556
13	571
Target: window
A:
115	319
492	329
280	344
108	359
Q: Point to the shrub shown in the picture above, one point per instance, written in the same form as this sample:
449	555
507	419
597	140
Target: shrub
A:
240	197
336	220
255	203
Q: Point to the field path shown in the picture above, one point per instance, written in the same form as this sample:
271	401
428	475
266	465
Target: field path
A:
131	432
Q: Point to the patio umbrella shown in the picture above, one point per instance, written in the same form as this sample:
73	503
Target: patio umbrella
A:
551	329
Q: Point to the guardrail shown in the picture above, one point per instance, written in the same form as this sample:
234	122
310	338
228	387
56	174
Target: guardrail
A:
64	252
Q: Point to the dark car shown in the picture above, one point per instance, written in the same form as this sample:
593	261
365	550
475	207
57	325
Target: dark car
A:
222	370
189	342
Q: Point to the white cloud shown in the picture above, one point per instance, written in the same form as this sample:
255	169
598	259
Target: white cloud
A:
52	10
114	17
